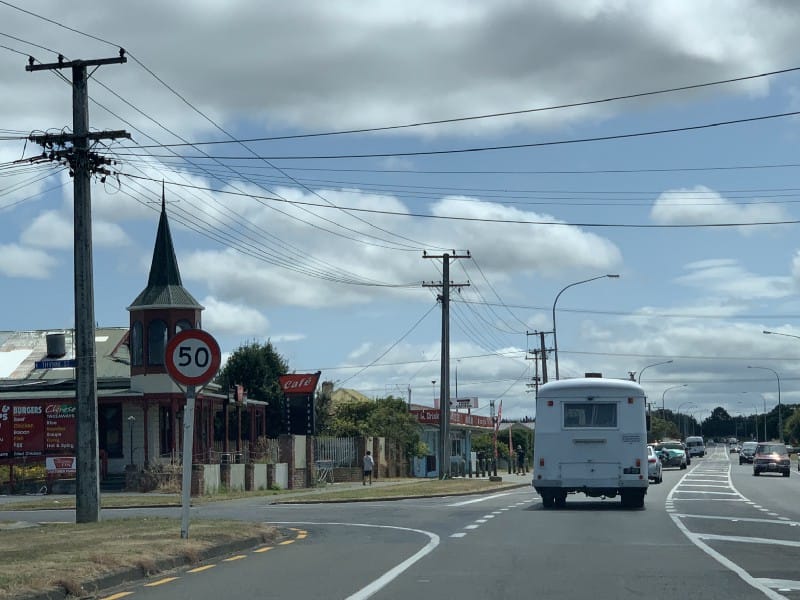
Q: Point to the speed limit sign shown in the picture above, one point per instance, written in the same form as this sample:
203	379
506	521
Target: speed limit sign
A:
192	357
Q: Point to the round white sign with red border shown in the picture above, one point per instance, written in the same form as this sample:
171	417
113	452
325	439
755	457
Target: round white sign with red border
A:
192	357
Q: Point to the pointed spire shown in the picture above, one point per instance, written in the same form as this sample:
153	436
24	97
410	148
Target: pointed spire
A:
164	285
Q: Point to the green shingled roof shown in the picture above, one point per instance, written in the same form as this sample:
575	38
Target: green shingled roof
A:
164	286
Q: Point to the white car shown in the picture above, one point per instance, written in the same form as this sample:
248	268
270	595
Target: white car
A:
654	473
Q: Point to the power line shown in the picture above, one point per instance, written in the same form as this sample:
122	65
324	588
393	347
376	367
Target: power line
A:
602	138
487	220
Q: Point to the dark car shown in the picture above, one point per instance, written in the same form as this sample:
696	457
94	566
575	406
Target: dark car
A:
771	458
747	451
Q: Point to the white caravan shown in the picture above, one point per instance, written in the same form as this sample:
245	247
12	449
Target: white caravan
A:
591	437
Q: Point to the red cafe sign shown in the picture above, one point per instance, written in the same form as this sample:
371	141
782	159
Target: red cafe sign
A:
299	383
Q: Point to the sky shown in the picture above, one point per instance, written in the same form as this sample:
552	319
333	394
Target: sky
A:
313	153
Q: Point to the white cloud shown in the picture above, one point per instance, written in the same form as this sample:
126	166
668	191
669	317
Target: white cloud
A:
231	319
24	262
701	205
728	277
51	229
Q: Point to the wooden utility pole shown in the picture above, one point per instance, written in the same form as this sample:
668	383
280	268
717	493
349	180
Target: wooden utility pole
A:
83	164
444	378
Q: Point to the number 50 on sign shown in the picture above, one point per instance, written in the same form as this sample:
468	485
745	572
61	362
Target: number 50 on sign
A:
192	357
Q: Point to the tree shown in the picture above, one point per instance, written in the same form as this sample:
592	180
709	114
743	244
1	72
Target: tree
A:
257	367
791	427
390	418
348	419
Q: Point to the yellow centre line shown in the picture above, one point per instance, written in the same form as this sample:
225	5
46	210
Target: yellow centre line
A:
264	549
286	543
116	596
160	582
301	536
200	569
237	557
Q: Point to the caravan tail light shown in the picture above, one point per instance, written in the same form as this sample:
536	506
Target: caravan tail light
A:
541	462
638	462
549	403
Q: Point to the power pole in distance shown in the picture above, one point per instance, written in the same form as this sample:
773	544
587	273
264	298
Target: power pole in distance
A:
83	164
444	379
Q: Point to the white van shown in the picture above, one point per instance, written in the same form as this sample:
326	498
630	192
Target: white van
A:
695	446
591	437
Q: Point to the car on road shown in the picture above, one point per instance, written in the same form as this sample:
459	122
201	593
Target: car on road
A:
672	454
746	452
695	446
771	457
655	472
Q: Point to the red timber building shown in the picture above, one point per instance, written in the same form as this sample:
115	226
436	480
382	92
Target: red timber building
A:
140	408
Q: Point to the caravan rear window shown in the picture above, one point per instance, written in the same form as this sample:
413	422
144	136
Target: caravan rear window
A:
590	414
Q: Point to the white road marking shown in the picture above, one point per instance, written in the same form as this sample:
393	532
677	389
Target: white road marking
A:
481	499
780	521
747	540
784	585
457	535
391	574
471	526
698	540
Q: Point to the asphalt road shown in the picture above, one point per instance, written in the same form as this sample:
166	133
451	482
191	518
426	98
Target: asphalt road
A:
712	531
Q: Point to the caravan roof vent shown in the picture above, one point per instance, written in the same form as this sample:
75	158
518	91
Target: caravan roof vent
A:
56	345
598	375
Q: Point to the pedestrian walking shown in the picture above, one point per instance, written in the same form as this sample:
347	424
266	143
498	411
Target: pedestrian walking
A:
369	464
520	461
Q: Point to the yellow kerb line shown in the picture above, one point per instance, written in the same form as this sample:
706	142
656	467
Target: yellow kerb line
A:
200	569
301	536
264	549
286	543
160	582
237	557
116	596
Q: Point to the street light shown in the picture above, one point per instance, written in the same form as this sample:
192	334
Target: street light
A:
565	288
131	421
780	416
433	382
639	379
664	393
688	404
755	416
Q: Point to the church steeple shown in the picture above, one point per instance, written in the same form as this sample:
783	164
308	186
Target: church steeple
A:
164	285
163	309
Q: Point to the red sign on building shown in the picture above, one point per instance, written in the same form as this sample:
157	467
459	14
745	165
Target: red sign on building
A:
299	384
37	428
431	417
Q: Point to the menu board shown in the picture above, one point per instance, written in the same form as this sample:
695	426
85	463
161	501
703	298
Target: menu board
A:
37	428
28	433
60	428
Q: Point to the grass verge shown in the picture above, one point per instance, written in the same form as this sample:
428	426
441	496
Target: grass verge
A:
52	556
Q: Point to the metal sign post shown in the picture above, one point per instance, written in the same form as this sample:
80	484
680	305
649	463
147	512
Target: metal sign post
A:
188	438
192	359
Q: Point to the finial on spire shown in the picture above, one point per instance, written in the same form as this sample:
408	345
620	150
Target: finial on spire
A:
163	198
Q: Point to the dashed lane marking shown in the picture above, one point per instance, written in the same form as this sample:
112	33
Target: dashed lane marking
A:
233	558
458	535
117	596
